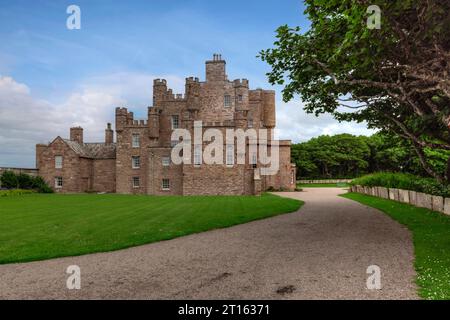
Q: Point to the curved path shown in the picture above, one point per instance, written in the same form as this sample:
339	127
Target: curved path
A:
320	252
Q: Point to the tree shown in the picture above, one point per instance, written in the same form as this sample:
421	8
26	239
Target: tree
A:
395	78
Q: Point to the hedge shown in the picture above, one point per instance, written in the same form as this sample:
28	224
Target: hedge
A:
403	181
10	180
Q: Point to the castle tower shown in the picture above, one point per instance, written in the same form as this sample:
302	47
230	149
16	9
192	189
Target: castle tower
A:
268	100
159	91
215	69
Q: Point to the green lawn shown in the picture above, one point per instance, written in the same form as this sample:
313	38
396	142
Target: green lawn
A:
431	234
322	185
43	226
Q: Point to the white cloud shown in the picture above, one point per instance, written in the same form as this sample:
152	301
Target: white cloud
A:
295	124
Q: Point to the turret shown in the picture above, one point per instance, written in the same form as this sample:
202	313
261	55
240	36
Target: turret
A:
159	91
76	134
192	93
153	122
215	69
268	101
121	118
241	93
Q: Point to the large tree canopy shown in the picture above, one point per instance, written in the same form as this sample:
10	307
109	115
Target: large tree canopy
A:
395	78
349	156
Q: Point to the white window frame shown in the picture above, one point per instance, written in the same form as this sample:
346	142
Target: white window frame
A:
254	160
58	182
197	155
229	155
227	101
136	162
175	120
165	184
59	162
165	161
135	140
134	180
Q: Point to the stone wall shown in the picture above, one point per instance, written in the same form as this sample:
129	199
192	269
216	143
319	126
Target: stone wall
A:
418	199
70	171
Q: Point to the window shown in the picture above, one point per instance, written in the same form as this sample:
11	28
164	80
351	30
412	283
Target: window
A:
254	161
197	155
227	101
250	123
58	162
292	177
240	98
58	182
136	182
175	122
166	161
136	140
230	155
165	184
135	162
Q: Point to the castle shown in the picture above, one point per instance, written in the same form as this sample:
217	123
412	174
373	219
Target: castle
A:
139	162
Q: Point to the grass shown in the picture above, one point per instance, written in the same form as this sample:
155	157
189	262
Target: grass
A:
431	234
322	185
44	226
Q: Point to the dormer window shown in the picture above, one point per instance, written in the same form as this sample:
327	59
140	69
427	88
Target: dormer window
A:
227	100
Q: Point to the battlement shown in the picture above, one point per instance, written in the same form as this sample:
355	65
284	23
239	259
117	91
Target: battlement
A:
192	79
240	83
158	82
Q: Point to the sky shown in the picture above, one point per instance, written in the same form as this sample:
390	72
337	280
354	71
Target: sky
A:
52	78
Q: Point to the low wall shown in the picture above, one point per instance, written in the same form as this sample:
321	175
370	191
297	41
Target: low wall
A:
418	199
31	172
325	181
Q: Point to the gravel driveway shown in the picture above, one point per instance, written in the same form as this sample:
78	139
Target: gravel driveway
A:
320	252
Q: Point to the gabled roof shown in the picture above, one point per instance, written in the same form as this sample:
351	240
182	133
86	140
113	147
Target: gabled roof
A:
93	150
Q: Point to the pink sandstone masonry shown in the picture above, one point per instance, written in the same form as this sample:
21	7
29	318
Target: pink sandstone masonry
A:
137	162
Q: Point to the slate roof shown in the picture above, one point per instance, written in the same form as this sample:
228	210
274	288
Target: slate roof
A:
93	150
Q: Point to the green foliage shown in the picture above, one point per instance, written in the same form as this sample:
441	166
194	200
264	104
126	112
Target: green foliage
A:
44	226
15	192
348	156
403	181
431	235
10	180
377	76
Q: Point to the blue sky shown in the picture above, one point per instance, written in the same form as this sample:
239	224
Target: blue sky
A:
59	77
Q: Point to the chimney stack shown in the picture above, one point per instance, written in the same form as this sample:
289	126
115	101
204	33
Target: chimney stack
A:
109	134
215	69
76	134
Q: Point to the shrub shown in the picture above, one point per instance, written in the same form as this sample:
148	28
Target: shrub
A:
24	181
9	180
403	181
40	185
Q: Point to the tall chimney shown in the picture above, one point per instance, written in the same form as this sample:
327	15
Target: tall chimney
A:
109	134
215	69
76	134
